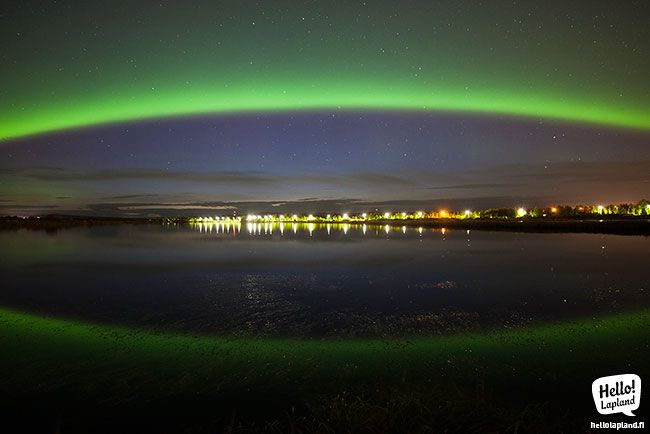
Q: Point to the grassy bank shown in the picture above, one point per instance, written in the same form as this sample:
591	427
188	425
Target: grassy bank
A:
58	366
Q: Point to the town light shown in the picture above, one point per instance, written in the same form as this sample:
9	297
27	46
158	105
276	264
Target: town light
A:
553	209
467	212
521	212
443	213
386	215
346	216
419	214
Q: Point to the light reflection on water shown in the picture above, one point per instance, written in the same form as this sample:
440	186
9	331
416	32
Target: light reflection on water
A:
305	279
268	228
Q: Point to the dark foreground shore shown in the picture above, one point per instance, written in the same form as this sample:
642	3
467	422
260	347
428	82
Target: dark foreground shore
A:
62	375
624	225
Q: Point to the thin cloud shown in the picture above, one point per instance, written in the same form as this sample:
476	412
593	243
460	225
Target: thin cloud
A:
244	178
470	186
133	196
161	206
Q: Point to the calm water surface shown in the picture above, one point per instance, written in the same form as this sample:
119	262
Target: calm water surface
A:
320	280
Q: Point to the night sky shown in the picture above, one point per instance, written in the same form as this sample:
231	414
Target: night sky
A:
151	108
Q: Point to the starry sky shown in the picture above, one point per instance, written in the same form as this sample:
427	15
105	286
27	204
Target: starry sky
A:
158	108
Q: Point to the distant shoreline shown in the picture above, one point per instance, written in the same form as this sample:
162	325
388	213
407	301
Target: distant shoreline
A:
631	225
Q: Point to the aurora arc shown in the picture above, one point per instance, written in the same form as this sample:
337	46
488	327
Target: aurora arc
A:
134	63
336	97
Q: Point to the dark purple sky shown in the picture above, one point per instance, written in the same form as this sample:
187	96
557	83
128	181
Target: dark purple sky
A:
342	161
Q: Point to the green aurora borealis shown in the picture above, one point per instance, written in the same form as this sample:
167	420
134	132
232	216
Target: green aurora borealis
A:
81	65
123	122
210	100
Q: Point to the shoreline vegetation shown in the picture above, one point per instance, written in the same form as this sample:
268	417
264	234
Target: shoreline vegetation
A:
216	381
